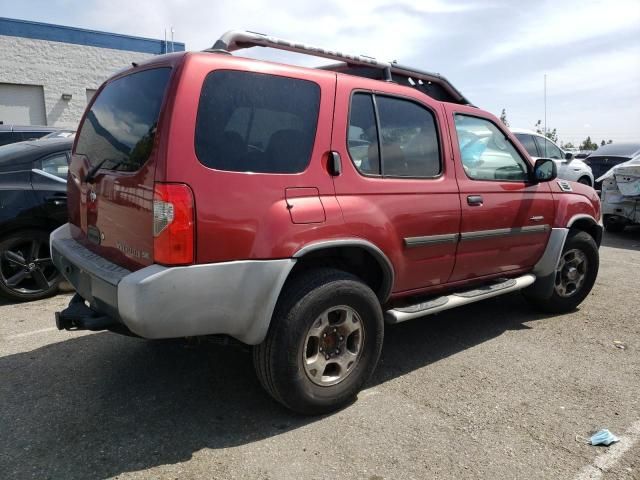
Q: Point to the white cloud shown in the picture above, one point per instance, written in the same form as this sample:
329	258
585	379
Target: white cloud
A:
380	28
559	23
617	70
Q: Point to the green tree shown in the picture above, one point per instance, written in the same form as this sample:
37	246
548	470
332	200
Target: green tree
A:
568	145
588	144
610	141
551	134
503	117
603	143
538	127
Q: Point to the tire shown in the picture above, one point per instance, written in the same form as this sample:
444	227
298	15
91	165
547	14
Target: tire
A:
613	226
313	302
26	270
585	181
580	252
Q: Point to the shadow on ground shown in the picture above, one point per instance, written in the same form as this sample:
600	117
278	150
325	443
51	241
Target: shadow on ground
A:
628	239
98	405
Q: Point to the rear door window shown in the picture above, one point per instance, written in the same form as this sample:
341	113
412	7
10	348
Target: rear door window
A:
254	122
10	137
57	165
407	133
548	149
528	144
120	128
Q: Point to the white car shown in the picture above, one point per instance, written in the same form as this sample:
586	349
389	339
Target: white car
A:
569	168
620	195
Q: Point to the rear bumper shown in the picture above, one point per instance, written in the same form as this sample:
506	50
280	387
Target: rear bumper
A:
232	298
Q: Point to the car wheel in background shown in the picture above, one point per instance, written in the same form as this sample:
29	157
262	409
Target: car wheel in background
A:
613	224
585	181
26	270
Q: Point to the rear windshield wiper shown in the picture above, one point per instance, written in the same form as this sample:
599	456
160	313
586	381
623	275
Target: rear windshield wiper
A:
90	176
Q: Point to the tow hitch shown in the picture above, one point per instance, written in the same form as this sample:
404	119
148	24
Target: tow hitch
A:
78	316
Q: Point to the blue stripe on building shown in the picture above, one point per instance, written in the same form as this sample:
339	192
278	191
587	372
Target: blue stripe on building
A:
79	36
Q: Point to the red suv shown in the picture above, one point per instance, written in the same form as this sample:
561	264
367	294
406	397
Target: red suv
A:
298	209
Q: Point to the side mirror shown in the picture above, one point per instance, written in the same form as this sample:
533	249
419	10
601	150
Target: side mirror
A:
544	170
568	156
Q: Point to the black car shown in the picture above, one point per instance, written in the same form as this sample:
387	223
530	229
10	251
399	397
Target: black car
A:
15	133
608	156
33	202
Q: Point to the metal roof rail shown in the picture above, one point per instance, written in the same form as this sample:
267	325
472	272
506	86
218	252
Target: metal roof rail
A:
238	39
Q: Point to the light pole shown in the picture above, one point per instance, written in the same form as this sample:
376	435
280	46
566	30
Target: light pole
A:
545	105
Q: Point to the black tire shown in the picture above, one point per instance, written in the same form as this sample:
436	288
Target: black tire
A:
33	286
280	360
557	303
613	226
585	181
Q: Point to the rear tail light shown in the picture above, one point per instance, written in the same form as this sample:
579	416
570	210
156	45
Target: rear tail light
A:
173	224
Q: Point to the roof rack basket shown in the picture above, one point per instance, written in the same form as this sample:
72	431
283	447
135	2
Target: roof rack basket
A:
432	84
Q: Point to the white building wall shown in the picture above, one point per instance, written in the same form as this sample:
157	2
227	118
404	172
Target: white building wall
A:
61	68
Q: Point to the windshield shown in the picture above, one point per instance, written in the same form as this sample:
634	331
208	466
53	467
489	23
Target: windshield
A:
121	125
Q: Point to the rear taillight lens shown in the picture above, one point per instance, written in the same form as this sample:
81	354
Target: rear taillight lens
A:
173	224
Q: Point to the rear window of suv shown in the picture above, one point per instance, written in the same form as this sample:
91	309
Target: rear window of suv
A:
120	128
254	122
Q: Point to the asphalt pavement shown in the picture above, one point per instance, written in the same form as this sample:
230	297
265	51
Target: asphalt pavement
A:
492	390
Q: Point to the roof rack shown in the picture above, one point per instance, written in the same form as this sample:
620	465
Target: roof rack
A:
432	84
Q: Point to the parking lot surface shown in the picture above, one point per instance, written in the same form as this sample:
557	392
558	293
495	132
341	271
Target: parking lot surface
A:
492	390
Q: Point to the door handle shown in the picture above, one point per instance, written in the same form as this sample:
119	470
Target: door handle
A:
474	200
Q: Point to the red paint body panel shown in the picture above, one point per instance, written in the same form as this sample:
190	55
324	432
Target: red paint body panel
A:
245	215
388	210
506	204
304	205
583	200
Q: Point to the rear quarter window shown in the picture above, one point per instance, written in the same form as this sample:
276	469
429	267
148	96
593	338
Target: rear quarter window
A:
254	122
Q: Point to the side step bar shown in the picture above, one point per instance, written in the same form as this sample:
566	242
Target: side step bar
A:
454	300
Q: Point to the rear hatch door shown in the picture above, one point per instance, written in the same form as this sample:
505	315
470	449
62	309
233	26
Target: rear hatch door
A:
113	168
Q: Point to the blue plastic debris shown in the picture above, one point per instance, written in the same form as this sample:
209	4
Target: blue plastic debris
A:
603	437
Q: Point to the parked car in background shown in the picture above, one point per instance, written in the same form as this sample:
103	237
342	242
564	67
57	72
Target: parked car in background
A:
610	155
33	178
61	134
15	133
583	154
569	168
620	195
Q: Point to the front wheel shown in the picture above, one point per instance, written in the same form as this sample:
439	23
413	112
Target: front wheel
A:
574	277
323	344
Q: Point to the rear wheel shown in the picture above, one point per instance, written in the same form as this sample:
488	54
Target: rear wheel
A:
585	181
26	270
574	277
323	344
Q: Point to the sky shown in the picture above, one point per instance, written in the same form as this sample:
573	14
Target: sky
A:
494	51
